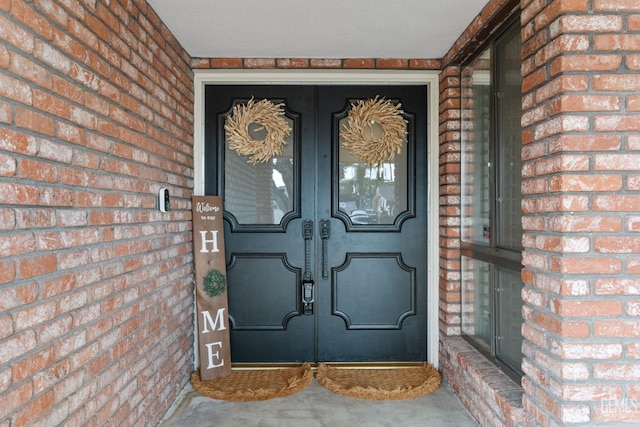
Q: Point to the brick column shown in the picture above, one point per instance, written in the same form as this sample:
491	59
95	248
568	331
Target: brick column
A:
581	136
449	201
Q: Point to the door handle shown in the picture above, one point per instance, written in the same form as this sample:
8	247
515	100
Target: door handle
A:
325	233
307	278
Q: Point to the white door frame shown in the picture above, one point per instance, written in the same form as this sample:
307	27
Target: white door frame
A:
346	77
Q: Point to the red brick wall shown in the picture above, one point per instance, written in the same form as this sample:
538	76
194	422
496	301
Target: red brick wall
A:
581	198
449	210
317	63
95	283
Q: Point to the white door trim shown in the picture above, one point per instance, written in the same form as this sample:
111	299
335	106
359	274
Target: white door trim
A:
351	77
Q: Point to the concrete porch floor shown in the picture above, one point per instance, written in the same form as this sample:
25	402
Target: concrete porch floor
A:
317	406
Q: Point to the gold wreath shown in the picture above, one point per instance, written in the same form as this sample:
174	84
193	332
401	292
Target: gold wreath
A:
358	131
266	114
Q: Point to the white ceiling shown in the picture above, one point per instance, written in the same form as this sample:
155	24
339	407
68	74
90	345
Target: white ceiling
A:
317	28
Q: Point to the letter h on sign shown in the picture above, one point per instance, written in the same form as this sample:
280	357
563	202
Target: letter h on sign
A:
204	241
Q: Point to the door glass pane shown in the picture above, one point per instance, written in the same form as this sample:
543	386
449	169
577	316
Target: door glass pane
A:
476	301
509	322
476	121
509	141
260	193
372	195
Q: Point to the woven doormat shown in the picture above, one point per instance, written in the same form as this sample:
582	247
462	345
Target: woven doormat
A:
244	386
380	384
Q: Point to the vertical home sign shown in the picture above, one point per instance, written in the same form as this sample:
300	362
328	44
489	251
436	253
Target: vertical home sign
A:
211	287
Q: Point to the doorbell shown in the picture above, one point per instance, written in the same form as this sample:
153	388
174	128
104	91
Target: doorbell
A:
163	200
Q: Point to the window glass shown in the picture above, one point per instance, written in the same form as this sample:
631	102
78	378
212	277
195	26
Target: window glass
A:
376	194
491	106
476	297
260	193
508	133
509	322
476	121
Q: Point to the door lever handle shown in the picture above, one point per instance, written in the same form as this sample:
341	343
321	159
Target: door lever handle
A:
307	299
325	233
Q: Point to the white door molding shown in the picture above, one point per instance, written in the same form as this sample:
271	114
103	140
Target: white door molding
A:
428	78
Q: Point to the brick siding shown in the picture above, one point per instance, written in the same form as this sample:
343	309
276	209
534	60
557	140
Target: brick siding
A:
580	203
580	168
96	284
316	63
96	323
449	201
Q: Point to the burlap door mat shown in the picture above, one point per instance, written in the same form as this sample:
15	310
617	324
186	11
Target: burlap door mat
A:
244	386
380	384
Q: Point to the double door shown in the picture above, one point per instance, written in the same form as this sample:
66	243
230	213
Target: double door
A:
326	254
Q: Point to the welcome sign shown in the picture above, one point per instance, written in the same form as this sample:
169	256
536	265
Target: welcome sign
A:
211	287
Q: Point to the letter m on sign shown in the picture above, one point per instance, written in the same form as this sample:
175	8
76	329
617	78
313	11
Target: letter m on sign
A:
208	321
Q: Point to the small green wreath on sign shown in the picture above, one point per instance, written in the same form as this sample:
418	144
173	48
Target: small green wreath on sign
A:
214	283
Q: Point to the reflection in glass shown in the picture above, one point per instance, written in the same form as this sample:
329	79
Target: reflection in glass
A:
372	195
509	322
476	91
260	193
508	133
476	301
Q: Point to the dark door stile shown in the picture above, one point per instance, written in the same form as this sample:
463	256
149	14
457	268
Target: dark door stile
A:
370	280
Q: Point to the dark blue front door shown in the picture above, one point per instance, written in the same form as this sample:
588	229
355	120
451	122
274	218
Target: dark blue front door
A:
363	256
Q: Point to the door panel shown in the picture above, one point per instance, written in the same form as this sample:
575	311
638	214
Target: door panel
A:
375	297
369	268
386	306
264	207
